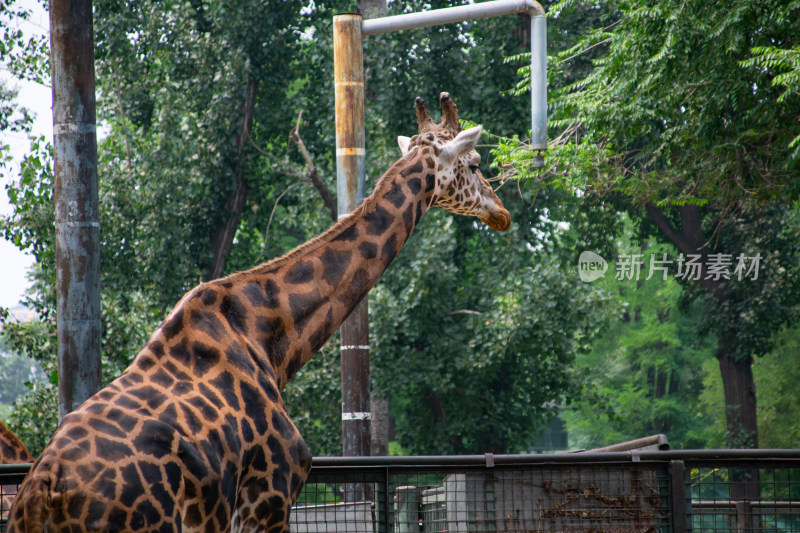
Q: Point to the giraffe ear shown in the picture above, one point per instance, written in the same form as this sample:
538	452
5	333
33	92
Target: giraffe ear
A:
464	142
403	142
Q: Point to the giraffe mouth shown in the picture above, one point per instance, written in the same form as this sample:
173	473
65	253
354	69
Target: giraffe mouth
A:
498	220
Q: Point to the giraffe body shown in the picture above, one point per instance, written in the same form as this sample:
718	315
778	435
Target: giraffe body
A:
194	435
12	451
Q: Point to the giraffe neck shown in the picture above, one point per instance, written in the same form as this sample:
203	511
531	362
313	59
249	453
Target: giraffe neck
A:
278	314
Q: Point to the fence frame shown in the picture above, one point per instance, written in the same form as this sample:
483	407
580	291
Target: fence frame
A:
678	465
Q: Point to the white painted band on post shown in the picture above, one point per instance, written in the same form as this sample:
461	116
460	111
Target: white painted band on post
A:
77	224
351	151
356	416
355	347
74	127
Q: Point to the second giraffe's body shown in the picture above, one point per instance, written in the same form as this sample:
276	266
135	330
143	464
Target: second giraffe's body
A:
12	451
194	436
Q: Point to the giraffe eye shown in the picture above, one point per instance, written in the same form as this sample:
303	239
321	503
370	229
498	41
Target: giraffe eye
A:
474	168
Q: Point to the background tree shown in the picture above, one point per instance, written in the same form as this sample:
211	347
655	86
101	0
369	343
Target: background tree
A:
644	375
198	176
24	58
478	345
775	375
700	147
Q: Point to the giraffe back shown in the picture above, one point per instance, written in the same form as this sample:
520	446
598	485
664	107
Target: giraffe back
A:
12	451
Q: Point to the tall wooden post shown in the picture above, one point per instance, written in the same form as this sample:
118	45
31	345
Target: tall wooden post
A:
348	71
76	202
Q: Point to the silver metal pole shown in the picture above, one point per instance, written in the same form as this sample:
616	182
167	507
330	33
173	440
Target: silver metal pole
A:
539	82
481	10
450	15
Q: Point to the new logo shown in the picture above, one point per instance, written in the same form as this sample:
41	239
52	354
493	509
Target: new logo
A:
591	266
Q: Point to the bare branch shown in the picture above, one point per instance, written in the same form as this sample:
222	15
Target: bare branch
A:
323	190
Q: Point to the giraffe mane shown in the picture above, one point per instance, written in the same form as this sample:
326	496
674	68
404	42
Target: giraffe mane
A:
338	227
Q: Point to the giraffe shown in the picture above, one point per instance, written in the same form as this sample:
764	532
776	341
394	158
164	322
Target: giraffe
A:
12	451
194	435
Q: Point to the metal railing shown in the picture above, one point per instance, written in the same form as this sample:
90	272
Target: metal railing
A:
665	491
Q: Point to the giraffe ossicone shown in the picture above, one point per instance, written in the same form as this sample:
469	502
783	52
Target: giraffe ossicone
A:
194	435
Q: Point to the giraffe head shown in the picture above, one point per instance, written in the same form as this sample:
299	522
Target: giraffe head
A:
459	185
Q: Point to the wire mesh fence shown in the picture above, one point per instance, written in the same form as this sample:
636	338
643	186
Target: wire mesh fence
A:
608	497
744	498
707	490
620	492
11	477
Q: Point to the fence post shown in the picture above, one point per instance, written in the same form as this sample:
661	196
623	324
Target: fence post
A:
407	505
745	521
678	488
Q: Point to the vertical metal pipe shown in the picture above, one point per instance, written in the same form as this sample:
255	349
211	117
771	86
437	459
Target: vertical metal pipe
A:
76	202
538	82
348	69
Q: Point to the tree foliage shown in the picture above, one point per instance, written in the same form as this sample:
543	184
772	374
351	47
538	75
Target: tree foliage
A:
687	120
25	56
643	375
475	345
679	121
198	177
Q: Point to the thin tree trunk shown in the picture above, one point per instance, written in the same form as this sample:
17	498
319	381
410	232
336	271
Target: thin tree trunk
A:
313	175
223	237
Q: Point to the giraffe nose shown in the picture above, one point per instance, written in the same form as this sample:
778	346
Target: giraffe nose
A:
494	215
498	220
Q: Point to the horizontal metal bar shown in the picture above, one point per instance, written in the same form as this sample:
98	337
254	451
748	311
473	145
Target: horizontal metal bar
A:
450	15
712	507
659	440
15	468
728	455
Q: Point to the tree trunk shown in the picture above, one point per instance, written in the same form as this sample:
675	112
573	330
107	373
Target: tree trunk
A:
737	376
740	414
380	425
234	205
740	400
